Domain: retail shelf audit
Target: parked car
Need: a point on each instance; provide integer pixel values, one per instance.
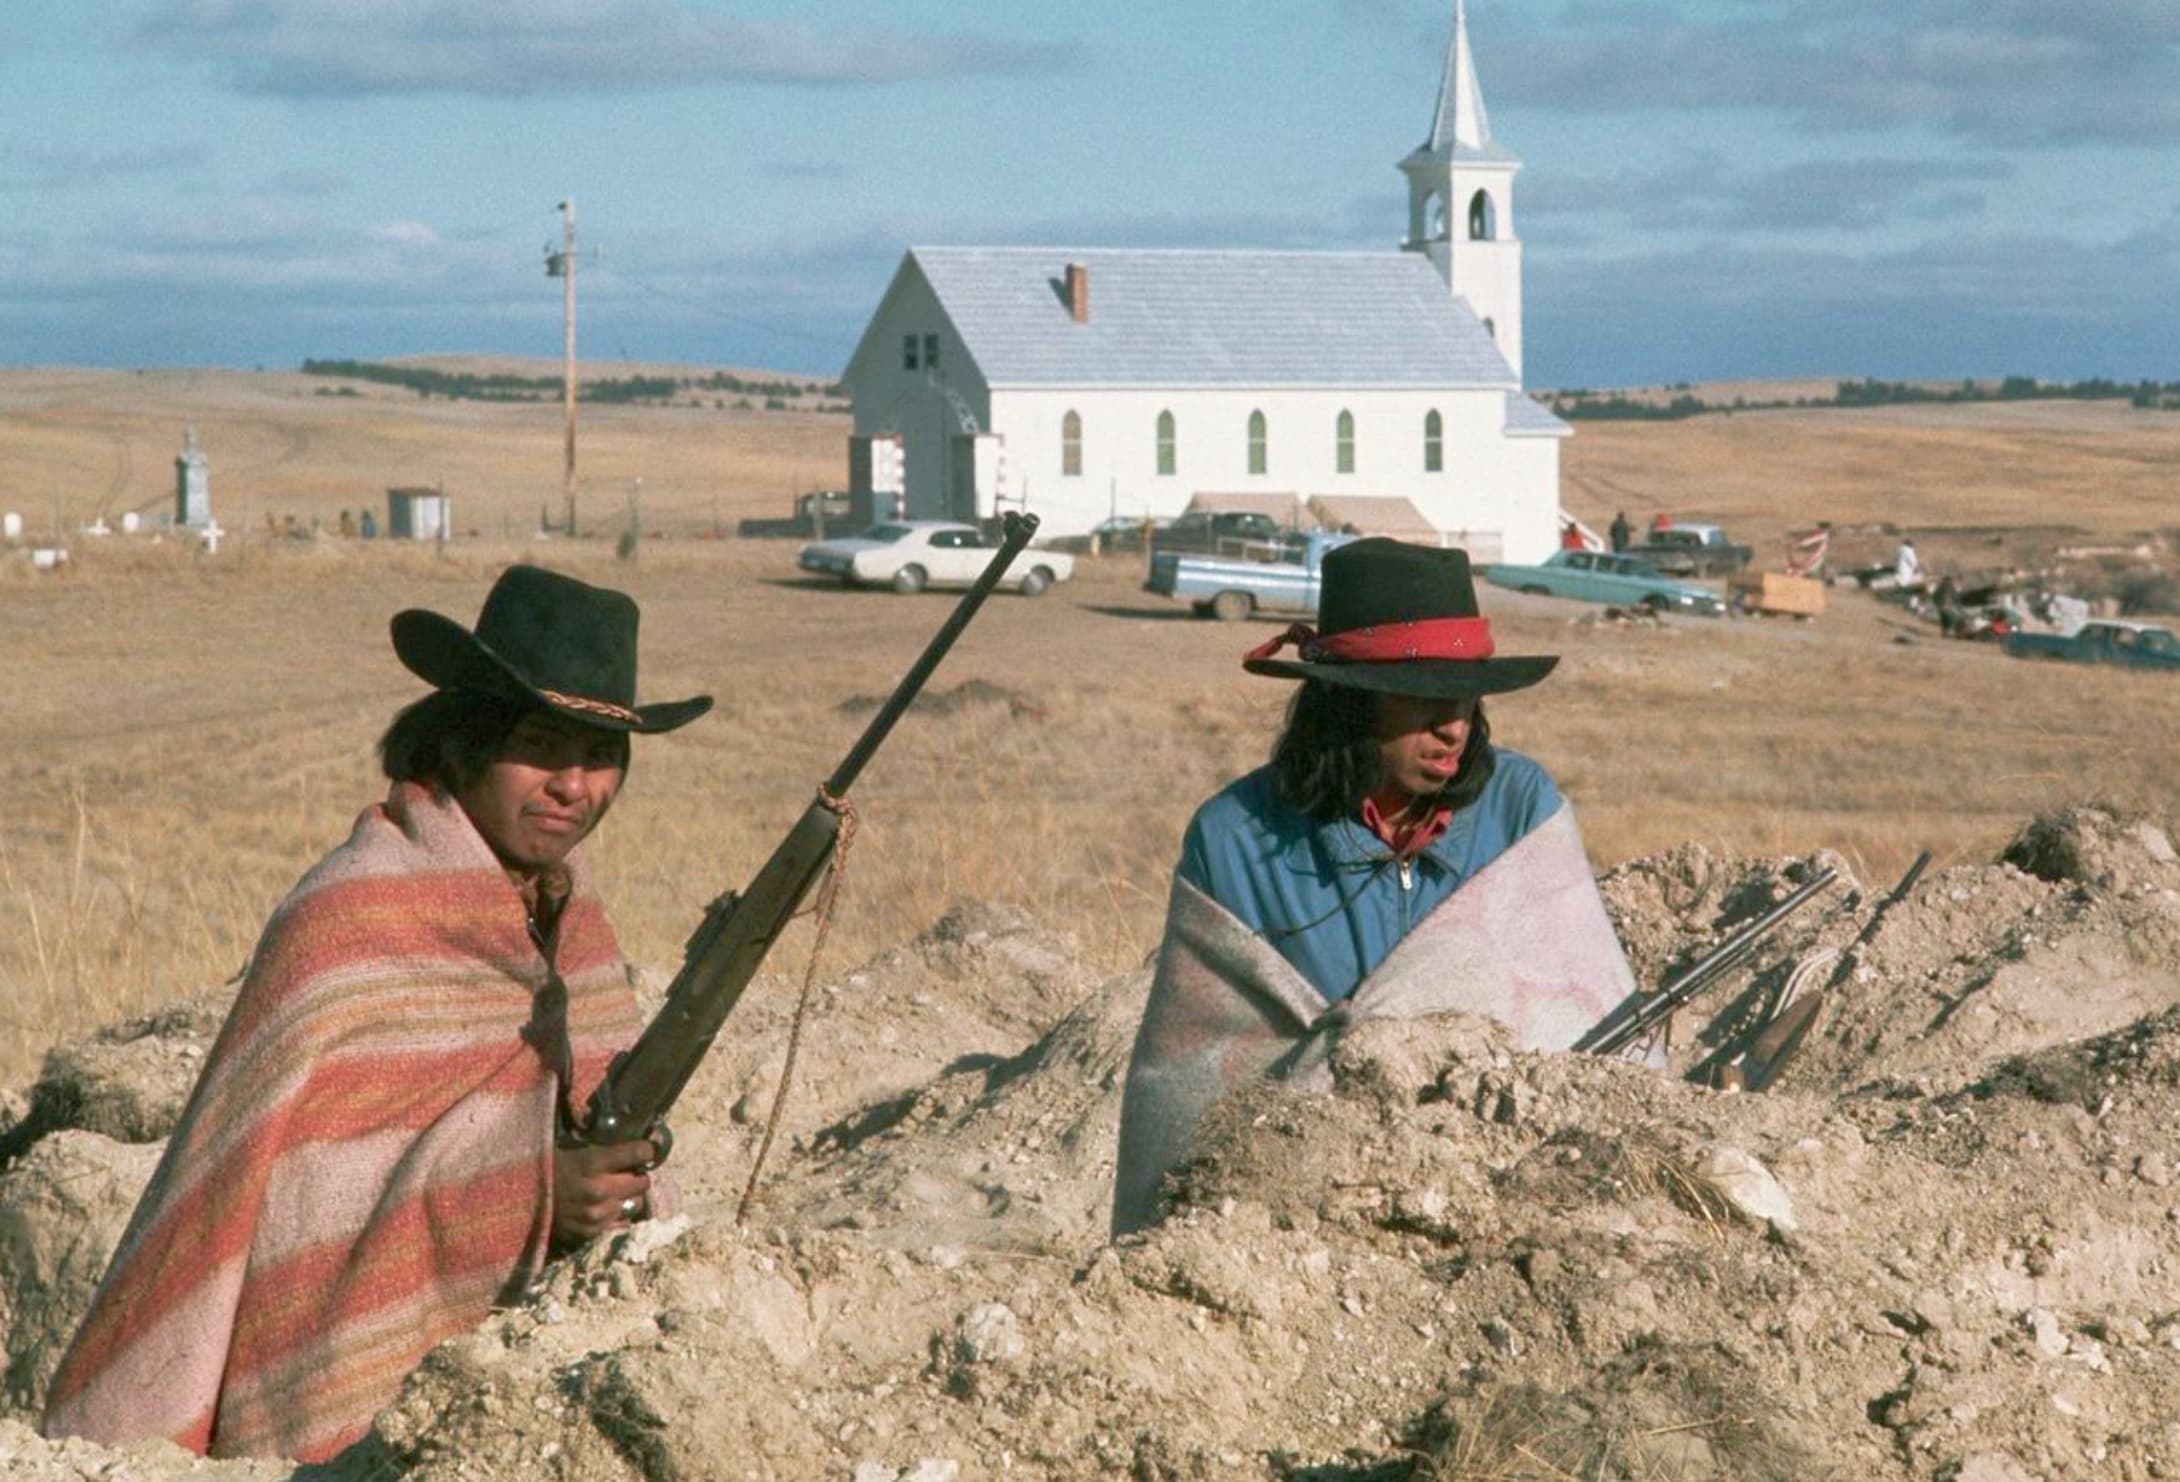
(834, 507)
(2103, 641)
(910, 555)
(1228, 532)
(1230, 589)
(1123, 532)
(1692, 550)
(1597, 577)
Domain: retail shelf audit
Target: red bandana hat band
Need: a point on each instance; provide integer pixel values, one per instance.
(1387, 643)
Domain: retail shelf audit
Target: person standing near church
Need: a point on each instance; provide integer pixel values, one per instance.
(371, 1159)
(1390, 861)
(1622, 532)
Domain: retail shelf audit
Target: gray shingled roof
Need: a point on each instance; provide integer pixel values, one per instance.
(1194, 318)
(1528, 417)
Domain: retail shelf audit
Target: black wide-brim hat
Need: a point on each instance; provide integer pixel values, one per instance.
(546, 639)
(1399, 619)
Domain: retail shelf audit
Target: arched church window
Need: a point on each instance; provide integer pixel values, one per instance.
(1483, 223)
(1258, 462)
(1343, 442)
(1434, 442)
(1071, 445)
(1166, 458)
(1434, 215)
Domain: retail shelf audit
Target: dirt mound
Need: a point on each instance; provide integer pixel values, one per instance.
(1946, 1245)
(969, 693)
(127, 1081)
(959, 1000)
(1017, 1154)
(63, 1206)
(2074, 931)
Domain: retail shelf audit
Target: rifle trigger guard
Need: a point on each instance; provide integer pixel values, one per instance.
(662, 1139)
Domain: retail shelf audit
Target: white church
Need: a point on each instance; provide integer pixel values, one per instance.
(1378, 389)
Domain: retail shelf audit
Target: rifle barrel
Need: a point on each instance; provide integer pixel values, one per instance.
(1016, 530)
(642, 1084)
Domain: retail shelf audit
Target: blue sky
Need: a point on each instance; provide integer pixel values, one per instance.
(1713, 188)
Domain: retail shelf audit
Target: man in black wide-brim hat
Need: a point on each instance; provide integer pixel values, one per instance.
(371, 1159)
(1390, 861)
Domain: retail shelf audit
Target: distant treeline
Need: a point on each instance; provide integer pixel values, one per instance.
(728, 381)
(2149, 394)
(462, 386)
(1582, 405)
(1616, 407)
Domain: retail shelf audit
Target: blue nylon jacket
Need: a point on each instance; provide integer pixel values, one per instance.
(1328, 895)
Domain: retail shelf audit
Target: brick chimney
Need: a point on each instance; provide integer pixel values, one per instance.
(1078, 292)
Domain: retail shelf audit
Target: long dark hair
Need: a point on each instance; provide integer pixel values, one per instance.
(448, 738)
(1326, 760)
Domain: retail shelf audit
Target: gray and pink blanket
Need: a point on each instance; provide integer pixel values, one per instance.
(1525, 941)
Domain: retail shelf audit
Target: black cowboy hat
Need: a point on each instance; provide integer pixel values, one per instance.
(1402, 620)
(547, 639)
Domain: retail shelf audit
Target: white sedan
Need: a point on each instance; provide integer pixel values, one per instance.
(909, 555)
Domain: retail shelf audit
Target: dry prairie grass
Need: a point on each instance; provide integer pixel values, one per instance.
(182, 736)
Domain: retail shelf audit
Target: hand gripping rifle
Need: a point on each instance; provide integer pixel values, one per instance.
(1638, 1016)
(729, 944)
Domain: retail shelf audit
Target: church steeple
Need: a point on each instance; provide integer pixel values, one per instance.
(1460, 125)
(1461, 199)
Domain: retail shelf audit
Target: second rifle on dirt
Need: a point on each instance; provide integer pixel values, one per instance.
(1636, 1018)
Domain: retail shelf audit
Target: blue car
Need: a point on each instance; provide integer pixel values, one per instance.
(1593, 576)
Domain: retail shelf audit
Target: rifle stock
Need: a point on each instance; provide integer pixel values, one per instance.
(730, 943)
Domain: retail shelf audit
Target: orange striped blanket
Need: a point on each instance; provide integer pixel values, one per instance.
(365, 1167)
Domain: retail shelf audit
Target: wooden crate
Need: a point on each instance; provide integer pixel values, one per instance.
(1775, 591)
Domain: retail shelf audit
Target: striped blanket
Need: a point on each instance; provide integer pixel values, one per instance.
(365, 1167)
(1525, 941)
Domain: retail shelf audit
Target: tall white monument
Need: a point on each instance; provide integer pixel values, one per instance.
(192, 485)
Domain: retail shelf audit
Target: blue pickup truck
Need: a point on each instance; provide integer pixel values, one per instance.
(1230, 589)
(2133, 645)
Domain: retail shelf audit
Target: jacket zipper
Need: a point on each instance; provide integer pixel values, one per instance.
(1407, 876)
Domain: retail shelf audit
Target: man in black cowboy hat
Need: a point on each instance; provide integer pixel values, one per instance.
(371, 1157)
(1389, 861)
(527, 730)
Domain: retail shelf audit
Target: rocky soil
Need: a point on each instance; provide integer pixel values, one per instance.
(1941, 1246)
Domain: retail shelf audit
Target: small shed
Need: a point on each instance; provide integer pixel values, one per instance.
(419, 514)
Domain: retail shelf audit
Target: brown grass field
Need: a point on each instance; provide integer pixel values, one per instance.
(184, 735)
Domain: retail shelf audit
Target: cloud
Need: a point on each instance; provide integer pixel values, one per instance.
(2011, 72)
(1709, 192)
(35, 165)
(517, 48)
(406, 234)
(1954, 305)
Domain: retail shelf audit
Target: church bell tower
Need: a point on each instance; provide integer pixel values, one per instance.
(1461, 200)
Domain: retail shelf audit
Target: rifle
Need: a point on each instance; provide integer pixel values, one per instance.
(1637, 1017)
(727, 947)
(1782, 1038)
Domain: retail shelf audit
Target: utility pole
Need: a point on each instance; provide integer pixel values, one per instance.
(561, 265)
